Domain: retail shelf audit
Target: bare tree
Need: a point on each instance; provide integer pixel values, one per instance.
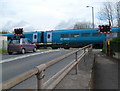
(4, 32)
(118, 13)
(82, 25)
(107, 12)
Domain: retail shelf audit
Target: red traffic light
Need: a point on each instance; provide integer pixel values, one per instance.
(18, 31)
(104, 28)
(101, 27)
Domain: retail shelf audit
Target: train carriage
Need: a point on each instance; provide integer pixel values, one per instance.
(66, 38)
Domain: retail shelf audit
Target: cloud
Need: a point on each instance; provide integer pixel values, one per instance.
(67, 24)
(10, 25)
(46, 14)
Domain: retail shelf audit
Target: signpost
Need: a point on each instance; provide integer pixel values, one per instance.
(107, 29)
(108, 47)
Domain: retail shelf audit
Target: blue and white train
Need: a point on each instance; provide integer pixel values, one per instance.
(66, 38)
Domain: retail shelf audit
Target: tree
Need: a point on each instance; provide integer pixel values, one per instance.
(82, 25)
(118, 13)
(4, 32)
(107, 12)
(110, 12)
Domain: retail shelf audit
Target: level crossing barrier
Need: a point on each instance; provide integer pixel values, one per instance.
(39, 71)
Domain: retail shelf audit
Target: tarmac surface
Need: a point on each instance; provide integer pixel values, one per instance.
(82, 79)
(106, 72)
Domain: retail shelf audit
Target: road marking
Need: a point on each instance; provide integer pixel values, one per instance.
(24, 56)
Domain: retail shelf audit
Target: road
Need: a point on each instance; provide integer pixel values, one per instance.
(22, 64)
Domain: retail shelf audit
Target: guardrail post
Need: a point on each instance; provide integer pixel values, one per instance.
(84, 55)
(77, 63)
(91, 48)
(40, 82)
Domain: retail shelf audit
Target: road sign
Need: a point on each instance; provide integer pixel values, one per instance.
(111, 35)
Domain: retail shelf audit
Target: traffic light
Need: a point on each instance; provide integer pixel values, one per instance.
(18, 31)
(101, 28)
(108, 28)
(104, 29)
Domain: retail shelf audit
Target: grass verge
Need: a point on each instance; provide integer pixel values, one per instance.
(3, 51)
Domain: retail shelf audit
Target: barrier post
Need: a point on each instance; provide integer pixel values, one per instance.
(77, 63)
(91, 48)
(40, 81)
(84, 56)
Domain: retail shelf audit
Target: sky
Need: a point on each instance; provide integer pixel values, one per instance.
(34, 15)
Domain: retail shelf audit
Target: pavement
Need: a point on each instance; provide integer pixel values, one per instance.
(105, 73)
(82, 79)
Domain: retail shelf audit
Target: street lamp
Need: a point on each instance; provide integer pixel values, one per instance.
(92, 15)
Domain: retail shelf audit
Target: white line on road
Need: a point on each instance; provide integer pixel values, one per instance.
(24, 56)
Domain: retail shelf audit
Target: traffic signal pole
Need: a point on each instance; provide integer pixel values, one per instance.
(108, 47)
(106, 29)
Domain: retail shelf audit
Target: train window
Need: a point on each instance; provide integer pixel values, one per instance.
(96, 34)
(35, 36)
(85, 34)
(74, 35)
(48, 35)
(64, 35)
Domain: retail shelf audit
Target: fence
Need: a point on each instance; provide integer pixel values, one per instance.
(115, 46)
(3, 42)
(39, 71)
(114, 49)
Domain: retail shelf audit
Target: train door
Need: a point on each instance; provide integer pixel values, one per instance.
(49, 37)
(35, 37)
(42, 37)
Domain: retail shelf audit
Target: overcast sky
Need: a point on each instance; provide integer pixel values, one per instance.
(46, 14)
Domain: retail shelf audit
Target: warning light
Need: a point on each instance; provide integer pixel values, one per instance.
(105, 29)
(18, 31)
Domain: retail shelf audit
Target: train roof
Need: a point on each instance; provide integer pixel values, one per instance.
(78, 30)
(114, 29)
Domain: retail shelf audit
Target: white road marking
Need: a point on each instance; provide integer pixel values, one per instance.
(24, 56)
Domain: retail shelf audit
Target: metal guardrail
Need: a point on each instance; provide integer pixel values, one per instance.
(39, 71)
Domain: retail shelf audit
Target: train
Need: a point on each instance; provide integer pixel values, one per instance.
(66, 39)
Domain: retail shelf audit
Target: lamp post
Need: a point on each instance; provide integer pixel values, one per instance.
(92, 15)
